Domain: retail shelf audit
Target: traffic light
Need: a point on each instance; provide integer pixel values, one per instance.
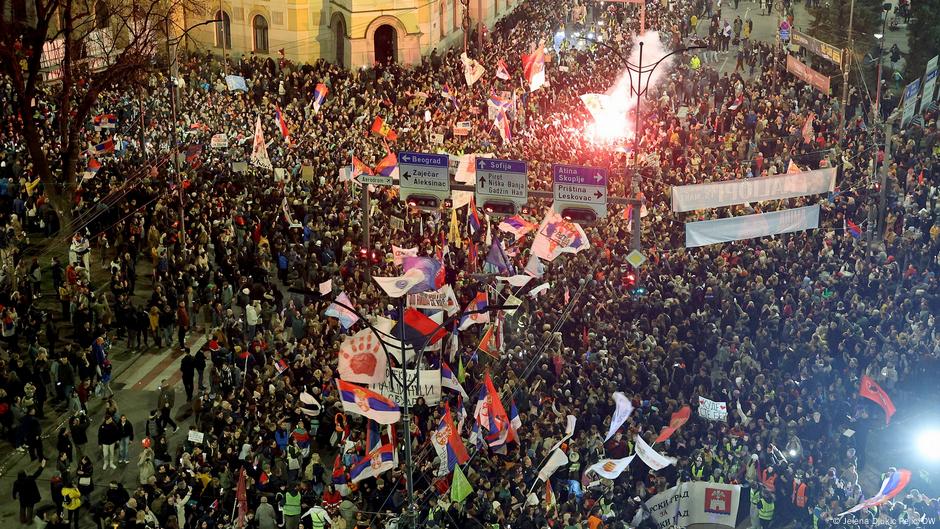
(499, 208)
(423, 202)
(629, 280)
(370, 255)
(579, 215)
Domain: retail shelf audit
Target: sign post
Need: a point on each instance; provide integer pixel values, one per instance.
(501, 182)
(579, 187)
(424, 175)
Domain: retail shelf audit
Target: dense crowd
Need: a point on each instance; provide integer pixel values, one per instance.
(780, 328)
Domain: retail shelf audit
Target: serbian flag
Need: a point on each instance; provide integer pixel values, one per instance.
(449, 95)
(502, 125)
(359, 167)
(419, 330)
(91, 170)
(379, 461)
(489, 342)
(517, 226)
(675, 422)
(104, 147)
(480, 302)
(473, 217)
(319, 96)
(807, 131)
(281, 123)
(737, 102)
(872, 391)
(502, 71)
(380, 127)
(339, 471)
(241, 495)
(365, 402)
(855, 231)
(490, 414)
(105, 121)
(387, 166)
(373, 436)
(890, 487)
(448, 444)
(533, 67)
(449, 380)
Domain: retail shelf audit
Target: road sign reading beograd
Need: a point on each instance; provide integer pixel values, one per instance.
(579, 186)
(424, 174)
(503, 180)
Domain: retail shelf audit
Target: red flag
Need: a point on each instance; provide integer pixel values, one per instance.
(872, 391)
(241, 495)
(808, 128)
(488, 342)
(920, 178)
(675, 422)
(382, 128)
(426, 327)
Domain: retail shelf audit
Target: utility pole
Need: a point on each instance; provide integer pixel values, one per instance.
(174, 135)
(409, 512)
(883, 195)
(846, 68)
(366, 227)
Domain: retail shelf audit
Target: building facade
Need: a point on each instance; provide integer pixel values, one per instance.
(350, 33)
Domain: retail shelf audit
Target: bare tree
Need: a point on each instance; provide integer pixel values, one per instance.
(69, 52)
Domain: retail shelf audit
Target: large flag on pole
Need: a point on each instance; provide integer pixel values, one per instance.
(556, 236)
(873, 392)
(533, 67)
(621, 414)
(448, 444)
(611, 468)
(259, 149)
(472, 70)
(362, 358)
(490, 414)
(555, 461)
(319, 96)
(459, 486)
(675, 422)
(241, 496)
(376, 463)
(650, 456)
(282, 123)
(890, 487)
(502, 70)
(365, 402)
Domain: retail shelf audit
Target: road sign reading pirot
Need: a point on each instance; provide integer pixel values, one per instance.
(578, 186)
(424, 174)
(505, 180)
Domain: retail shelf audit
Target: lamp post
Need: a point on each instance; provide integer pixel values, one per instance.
(638, 89)
(172, 70)
(876, 120)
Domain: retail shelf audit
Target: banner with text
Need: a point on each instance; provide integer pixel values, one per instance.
(693, 503)
(712, 410)
(807, 74)
(751, 226)
(424, 383)
(734, 192)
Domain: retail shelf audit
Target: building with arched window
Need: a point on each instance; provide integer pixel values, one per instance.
(350, 33)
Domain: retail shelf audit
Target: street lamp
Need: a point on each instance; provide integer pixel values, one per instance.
(639, 89)
(876, 119)
(171, 67)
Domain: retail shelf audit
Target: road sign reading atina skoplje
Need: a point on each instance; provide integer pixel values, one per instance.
(424, 174)
(579, 186)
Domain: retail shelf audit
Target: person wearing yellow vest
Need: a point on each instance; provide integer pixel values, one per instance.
(755, 499)
(292, 509)
(765, 509)
(799, 497)
(695, 63)
(697, 470)
(71, 500)
(319, 518)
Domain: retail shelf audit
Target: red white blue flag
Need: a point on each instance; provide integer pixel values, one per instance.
(365, 402)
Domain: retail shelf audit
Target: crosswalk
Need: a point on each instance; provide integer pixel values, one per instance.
(149, 369)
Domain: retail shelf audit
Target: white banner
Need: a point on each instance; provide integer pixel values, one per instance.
(733, 192)
(399, 254)
(621, 413)
(441, 299)
(693, 503)
(712, 411)
(219, 141)
(651, 457)
(751, 226)
(429, 388)
(610, 468)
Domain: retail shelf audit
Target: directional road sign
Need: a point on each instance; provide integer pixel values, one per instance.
(502, 180)
(376, 180)
(424, 174)
(577, 186)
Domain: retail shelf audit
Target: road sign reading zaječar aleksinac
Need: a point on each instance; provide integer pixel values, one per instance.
(502, 180)
(579, 186)
(424, 174)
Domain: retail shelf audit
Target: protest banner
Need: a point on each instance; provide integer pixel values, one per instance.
(712, 410)
(429, 388)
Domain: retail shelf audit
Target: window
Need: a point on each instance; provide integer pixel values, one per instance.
(102, 14)
(260, 26)
(442, 20)
(223, 31)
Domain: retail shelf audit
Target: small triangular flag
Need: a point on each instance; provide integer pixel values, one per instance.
(459, 487)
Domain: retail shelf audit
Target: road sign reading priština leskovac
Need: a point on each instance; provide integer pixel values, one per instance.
(501, 180)
(577, 186)
(424, 174)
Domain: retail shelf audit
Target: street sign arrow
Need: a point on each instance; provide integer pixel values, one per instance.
(376, 180)
(598, 194)
(406, 176)
(598, 177)
(482, 181)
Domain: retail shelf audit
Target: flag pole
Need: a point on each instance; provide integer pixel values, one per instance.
(406, 423)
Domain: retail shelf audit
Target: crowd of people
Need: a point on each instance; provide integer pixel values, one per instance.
(781, 328)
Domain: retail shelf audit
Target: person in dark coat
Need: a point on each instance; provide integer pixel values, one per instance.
(26, 490)
(78, 425)
(108, 435)
(188, 368)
